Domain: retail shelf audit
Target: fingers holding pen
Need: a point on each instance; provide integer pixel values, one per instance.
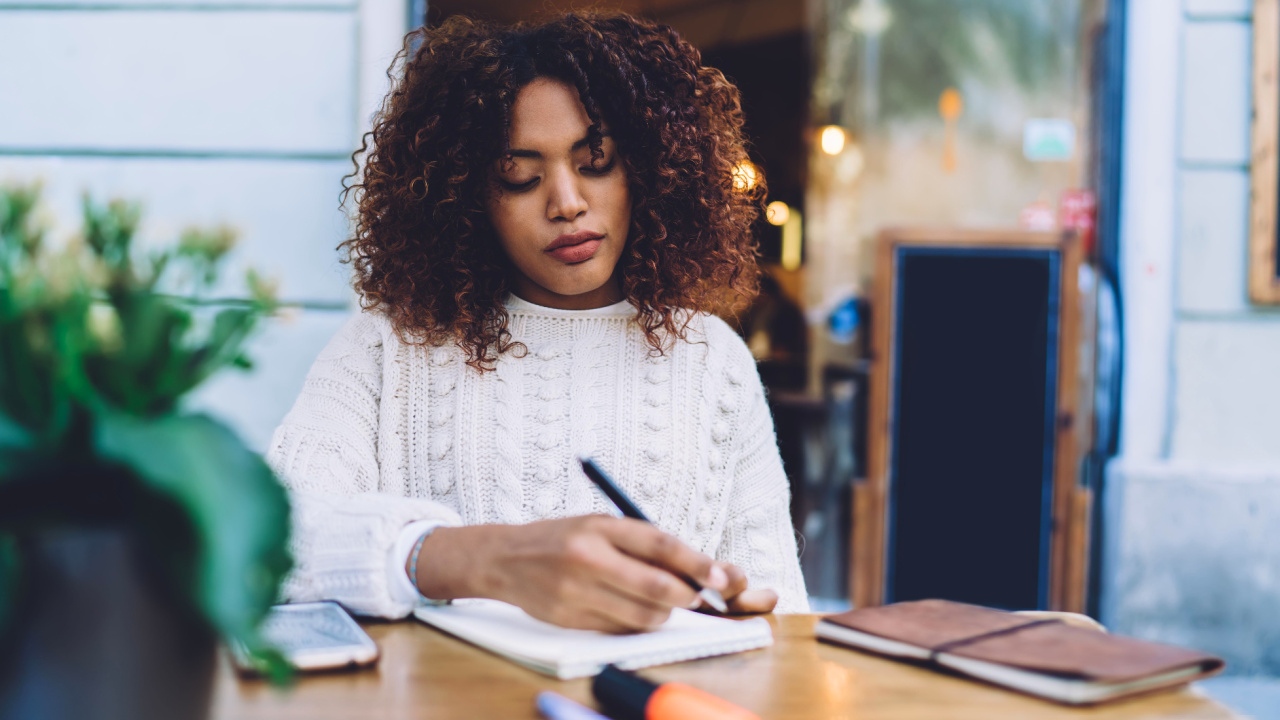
(742, 600)
(596, 572)
(641, 540)
(649, 544)
(737, 580)
(610, 564)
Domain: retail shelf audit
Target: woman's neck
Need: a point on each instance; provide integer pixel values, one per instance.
(603, 296)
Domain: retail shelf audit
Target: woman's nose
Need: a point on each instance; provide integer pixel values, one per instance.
(566, 201)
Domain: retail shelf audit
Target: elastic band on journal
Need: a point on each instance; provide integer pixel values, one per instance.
(949, 646)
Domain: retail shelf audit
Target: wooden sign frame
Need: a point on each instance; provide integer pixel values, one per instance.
(1072, 503)
(1264, 253)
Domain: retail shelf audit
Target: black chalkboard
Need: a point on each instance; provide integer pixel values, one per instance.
(973, 393)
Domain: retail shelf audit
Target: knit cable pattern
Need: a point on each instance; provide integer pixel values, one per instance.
(416, 434)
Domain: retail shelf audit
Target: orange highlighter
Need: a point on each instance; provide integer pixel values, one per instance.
(626, 696)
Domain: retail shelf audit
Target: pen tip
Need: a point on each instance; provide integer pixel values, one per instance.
(714, 599)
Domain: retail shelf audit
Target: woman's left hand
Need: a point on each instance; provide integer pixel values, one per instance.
(741, 600)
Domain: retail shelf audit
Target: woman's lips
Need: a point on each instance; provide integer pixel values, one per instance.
(577, 253)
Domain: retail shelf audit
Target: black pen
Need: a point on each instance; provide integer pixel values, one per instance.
(628, 508)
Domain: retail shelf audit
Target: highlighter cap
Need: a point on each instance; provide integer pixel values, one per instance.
(623, 695)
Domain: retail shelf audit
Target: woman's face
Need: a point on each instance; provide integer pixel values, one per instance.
(561, 219)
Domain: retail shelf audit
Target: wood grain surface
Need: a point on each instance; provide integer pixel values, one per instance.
(426, 674)
(1264, 171)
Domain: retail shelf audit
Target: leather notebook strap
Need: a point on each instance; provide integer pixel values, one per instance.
(953, 644)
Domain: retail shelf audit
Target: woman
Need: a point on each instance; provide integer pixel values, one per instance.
(547, 215)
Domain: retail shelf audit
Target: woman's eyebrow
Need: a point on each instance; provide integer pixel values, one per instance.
(534, 154)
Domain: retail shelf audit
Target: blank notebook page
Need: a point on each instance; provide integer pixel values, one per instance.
(509, 631)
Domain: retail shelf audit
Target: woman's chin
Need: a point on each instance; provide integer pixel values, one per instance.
(584, 291)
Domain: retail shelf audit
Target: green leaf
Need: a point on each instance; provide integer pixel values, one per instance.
(20, 236)
(238, 510)
(12, 435)
(231, 327)
(109, 232)
(15, 443)
(31, 395)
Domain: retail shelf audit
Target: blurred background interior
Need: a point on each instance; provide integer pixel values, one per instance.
(1086, 159)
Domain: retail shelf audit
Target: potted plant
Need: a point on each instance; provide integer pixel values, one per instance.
(133, 533)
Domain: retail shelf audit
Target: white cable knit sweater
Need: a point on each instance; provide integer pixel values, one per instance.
(386, 433)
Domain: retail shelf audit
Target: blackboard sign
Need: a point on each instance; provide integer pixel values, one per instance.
(972, 491)
(971, 474)
(1264, 233)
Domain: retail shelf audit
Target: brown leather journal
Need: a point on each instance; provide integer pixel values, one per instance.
(1043, 657)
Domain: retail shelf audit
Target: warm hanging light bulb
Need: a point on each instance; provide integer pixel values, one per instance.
(832, 139)
(777, 212)
(870, 17)
(745, 176)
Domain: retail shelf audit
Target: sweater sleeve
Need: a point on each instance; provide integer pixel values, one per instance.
(325, 453)
(758, 536)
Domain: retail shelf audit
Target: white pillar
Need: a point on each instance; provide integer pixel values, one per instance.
(1147, 223)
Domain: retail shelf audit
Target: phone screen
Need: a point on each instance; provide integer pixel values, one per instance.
(314, 636)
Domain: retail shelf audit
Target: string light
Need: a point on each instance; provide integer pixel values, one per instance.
(832, 139)
(777, 212)
(870, 17)
(745, 176)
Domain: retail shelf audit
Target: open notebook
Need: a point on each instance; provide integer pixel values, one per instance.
(510, 632)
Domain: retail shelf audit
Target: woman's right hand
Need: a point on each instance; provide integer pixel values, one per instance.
(593, 572)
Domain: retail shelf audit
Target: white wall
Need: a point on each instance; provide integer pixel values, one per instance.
(1226, 391)
(1194, 497)
(242, 112)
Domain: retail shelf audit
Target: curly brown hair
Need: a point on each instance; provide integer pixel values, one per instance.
(423, 249)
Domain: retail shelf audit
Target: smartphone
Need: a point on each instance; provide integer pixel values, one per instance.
(312, 636)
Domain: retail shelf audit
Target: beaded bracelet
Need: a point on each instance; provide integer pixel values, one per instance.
(413, 570)
(413, 562)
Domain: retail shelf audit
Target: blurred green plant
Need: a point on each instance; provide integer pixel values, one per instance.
(99, 344)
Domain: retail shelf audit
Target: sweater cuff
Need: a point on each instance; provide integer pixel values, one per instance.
(399, 585)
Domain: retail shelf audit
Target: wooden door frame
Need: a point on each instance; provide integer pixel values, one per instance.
(1264, 172)
(1069, 536)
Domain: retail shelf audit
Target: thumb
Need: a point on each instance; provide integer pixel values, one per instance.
(754, 601)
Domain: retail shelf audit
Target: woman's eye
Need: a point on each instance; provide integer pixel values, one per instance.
(600, 169)
(517, 187)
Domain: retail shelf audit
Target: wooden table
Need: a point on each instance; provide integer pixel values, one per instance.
(426, 674)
